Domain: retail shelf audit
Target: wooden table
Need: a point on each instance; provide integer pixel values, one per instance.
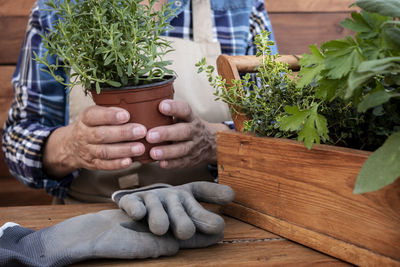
(243, 244)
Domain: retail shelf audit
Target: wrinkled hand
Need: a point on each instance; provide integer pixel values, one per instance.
(176, 207)
(194, 140)
(101, 139)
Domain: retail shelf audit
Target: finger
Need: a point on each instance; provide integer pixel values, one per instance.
(205, 221)
(173, 151)
(133, 206)
(176, 163)
(211, 192)
(116, 151)
(181, 225)
(114, 134)
(129, 242)
(200, 240)
(157, 217)
(97, 115)
(108, 165)
(174, 132)
(178, 109)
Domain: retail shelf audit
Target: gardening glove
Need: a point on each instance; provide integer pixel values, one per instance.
(106, 234)
(176, 207)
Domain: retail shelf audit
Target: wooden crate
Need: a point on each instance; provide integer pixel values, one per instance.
(307, 195)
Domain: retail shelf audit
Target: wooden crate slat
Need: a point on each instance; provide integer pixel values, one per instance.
(311, 189)
(318, 241)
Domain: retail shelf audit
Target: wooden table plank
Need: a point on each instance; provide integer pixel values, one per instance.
(243, 244)
(263, 253)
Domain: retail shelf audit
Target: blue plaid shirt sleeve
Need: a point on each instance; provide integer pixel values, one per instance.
(38, 109)
(259, 21)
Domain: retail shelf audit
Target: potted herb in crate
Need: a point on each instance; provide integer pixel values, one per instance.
(114, 49)
(347, 95)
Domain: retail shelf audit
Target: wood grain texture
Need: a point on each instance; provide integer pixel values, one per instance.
(311, 189)
(14, 193)
(289, 6)
(12, 32)
(15, 8)
(295, 32)
(243, 244)
(296, 24)
(6, 95)
(324, 243)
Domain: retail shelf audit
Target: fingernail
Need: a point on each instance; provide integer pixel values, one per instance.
(139, 131)
(157, 153)
(137, 150)
(165, 107)
(154, 136)
(125, 162)
(122, 116)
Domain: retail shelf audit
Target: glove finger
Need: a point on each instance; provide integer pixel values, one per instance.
(200, 240)
(205, 221)
(181, 225)
(157, 217)
(212, 192)
(133, 206)
(127, 243)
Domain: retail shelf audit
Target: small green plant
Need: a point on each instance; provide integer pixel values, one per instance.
(107, 42)
(348, 93)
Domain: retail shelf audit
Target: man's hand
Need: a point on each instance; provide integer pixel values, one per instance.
(100, 139)
(194, 140)
(176, 207)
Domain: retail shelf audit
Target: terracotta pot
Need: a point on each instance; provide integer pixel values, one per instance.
(142, 103)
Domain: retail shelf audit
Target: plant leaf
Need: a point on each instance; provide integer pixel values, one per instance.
(369, 69)
(384, 7)
(295, 120)
(311, 65)
(342, 56)
(381, 168)
(358, 24)
(315, 127)
(373, 100)
(114, 83)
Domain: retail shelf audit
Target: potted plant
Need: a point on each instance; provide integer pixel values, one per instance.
(115, 50)
(347, 94)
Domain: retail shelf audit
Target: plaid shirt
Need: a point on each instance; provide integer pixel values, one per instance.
(40, 103)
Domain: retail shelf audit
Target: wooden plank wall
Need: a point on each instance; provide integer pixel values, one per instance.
(13, 19)
(299, 23)
(296, 23)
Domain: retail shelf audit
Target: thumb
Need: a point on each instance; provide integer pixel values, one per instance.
(212, 192)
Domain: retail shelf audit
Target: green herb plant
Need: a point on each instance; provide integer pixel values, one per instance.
(347, 93)
(107, 42)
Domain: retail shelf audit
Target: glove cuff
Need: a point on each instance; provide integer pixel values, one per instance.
(117, 195)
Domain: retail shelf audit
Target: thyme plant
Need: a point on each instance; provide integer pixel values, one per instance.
(107, 42)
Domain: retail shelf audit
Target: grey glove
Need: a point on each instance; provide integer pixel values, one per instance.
(106, 234)
(176, 207)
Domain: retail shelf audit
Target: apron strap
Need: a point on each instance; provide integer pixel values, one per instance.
(202, 21)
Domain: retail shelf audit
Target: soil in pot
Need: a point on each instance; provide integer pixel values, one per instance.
(142, 103)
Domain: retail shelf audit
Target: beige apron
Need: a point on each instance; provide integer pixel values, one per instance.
(97, 186)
